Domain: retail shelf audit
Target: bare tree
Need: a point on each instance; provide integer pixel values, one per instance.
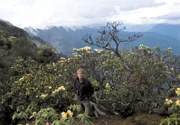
(109, 39)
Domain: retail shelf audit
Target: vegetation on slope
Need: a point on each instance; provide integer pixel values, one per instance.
(38, 86)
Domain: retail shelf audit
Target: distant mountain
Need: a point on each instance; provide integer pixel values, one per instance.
(138, 27)
(154, 39)
(167, 29)
(65, 39)
(62, 38)
(38, 41)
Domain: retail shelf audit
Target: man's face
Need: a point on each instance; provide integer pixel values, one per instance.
(80, 75)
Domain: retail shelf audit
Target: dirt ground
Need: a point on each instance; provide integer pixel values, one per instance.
(137, 119)
(108, 120)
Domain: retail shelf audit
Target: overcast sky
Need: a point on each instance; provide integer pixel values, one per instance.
(42, 13)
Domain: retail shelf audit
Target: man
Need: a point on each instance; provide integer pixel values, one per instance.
(84, 90)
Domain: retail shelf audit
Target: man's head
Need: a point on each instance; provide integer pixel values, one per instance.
(80, 73)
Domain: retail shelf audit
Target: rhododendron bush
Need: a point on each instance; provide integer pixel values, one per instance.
(117, 91)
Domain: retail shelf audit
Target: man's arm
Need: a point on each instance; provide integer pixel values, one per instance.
(74, 86)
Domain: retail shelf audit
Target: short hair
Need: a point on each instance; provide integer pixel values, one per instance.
(80, 70)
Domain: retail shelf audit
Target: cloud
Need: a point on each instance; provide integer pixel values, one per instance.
(136, 4)
(40, 13)
(171, 16)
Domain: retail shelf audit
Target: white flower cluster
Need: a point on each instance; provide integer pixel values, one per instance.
(177, 102)
(21, 79)
(61, 88)
(178, 91)
(76, 55)
(86, 48)
(98, 51)
(169, 48)
(62, 59)
(43, 95)
(78, 52)
(143, 47)
(108, 86)
(67, 114)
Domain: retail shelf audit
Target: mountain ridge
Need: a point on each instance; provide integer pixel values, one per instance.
(65, 40)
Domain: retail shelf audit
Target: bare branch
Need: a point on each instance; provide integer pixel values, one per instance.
(109, 36)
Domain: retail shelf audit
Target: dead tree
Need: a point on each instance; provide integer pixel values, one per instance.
(109, 38)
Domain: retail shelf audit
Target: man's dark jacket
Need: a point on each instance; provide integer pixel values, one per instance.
(83, 90)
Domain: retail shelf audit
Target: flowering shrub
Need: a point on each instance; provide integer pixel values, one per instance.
(141, 87)
(35, 86)
(174, 107)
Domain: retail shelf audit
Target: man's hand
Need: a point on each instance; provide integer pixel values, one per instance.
(86, 98)
(75, 97)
